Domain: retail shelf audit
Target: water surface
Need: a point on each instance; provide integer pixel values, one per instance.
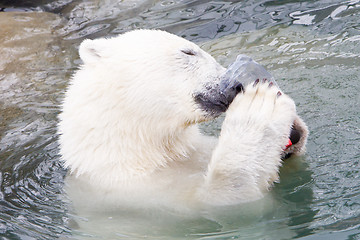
(311, 47)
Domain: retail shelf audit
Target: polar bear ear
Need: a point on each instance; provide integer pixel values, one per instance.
(91, 51)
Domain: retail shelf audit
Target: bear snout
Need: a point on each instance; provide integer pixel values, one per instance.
(212, 104)
(216, 100)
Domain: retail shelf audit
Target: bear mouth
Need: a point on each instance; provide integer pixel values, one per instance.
(210, 105)
(216, 100)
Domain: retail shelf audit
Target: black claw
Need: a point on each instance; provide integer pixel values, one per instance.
(278, 94)
(256, 82)
(264, 80)
(271, 84)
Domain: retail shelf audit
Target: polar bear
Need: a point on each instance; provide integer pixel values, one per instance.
(128, 126)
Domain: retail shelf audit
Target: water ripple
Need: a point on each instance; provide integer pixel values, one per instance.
(311, 47)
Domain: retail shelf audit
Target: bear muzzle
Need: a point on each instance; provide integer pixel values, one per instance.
(216, 97)
(215, 100)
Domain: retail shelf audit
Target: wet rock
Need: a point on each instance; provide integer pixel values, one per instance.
(34, 62)
(24, 39)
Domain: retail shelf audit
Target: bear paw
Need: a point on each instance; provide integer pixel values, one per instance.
(262, 108)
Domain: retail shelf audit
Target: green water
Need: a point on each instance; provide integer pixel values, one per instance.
(311, 47)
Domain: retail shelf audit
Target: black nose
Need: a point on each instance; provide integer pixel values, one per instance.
(239, 88)
(231, 91)
(294, 135)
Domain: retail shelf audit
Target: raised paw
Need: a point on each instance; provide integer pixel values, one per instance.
(262, 99)
(262, 107)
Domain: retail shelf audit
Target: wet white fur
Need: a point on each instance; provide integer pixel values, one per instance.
(128, 127)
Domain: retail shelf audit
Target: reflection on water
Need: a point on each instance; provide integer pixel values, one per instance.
(311, 47)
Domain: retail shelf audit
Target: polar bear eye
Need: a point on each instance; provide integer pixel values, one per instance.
(189, 52)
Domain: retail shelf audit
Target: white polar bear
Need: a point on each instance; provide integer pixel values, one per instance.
(128, 125)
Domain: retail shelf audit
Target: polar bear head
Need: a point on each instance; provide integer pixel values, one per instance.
(158, 72)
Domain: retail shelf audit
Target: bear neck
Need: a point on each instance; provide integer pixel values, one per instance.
(158, 146)
(140, 152)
